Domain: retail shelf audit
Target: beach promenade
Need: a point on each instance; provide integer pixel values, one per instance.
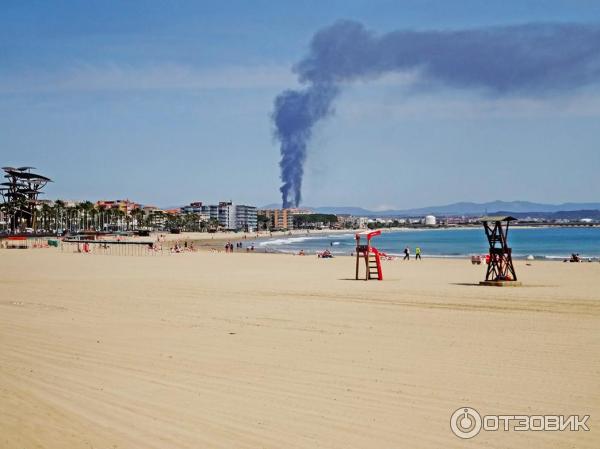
(215, 350)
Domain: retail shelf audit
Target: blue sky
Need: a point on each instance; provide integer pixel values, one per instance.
(170, 102)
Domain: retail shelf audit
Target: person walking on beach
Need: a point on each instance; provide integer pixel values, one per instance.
(406, 253)
(418, 253)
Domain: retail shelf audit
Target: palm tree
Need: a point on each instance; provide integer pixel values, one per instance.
(86, 208)
(45, 211)
(203, 225)
(109, 217)
(138, 216)
(119, 215)
(190, 222)
(128, 220)
(175, 222)
(74, 214)
(94, 213)
(59, 207)
(213, 224)
(263, 222)
(101, 208)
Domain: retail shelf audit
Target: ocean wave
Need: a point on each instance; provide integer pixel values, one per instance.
(286, 241)
(315, 238)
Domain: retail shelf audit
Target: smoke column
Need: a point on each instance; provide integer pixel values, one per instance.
(531, 60)
(297, 112)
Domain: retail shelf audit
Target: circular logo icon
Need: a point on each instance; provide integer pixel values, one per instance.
(465, 422)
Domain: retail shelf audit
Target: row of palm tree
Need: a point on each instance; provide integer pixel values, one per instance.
(86, 216)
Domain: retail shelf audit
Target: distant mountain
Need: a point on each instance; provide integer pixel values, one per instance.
(350, 210)
(462, 208)
(358, 211)
(560, 215)
(465, 208)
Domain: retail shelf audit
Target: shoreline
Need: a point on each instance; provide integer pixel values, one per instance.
(397, 256)
(204, 241)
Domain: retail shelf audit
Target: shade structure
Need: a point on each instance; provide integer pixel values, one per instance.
(20, 194)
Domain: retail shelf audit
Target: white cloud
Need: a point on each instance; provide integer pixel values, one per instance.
(449, 104)
(391, 96)
(88, 78)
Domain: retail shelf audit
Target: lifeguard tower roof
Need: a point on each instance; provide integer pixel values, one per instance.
(368, 234)
(497, 218)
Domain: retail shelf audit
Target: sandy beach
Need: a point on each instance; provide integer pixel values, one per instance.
(215, 350)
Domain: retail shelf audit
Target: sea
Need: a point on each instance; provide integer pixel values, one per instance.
(542, 243)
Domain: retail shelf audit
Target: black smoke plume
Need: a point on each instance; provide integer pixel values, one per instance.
(533, 59)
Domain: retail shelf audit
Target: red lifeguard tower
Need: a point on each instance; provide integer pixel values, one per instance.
(370, 254)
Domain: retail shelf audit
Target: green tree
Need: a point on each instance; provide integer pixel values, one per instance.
(263, 222)
(86, 208)
(138, 217)
(119, 216)
(213, 224)
(311, 220)
(45, 213)
(59, 208)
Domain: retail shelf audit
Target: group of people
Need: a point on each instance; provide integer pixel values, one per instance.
(178, 248)
(325, 254)
(407, 253)
(238, 245)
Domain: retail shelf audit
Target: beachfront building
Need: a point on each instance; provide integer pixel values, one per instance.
(204, 212)
(245, 218)
(278, 218)
(237, 217)
(150, 210)
(283, 218)
(352, 222)
(192, 208)
(229, 216)
(153, 217)
(125, 206)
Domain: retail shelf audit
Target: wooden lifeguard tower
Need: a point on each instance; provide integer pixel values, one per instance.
(500, 270)
(370, 254)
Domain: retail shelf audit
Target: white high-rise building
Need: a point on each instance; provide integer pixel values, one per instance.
(245, 218)
(237, 217)
(430, 220)
(227, 215)
(233, 217)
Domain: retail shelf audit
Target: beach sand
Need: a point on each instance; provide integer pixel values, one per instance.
(217, 240)
(243, 350)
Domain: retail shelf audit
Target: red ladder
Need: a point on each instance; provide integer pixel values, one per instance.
(375, 268)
